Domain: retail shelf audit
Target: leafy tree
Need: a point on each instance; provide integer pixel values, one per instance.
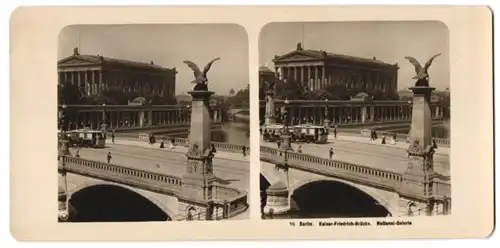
(242, 97)
(68, 94)
(290, 89)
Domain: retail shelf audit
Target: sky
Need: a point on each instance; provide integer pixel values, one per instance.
(389, 42)
(168, 46)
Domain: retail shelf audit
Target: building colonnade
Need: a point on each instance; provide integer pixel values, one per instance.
(116, 118)
(349, 113)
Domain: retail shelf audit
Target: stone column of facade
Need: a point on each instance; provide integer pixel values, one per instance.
(309, 77)
(316, 78)
(197, 181)
(363, 114)
(416, 188)
(323, 78)
(301, 74)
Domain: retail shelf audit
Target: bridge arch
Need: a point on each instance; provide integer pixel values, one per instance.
(364, 193)
(154, 201)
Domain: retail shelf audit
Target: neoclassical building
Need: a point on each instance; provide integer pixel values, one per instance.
(317, 69)
(93, 74)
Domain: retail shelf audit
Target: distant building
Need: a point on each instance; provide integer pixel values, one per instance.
(93, 74)
(317, 69)
(265, 76)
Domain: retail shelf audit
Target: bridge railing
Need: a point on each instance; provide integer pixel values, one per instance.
(218, 145)
(112, 172)
(439, 141)
(358, 173)
(233, 200)
(441, 188)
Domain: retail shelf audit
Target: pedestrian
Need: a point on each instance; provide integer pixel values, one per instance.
(212, 148)
(244, 148)
(299, 149)
(109, 157)
(434, 145)
(162, 145)
(172, 140)
(113, 136)
(330, 152)
(335, 132)
(278, 143)
(383, 140)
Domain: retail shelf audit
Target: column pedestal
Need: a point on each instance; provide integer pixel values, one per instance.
(416, 188)
(277, 203)
(270, 117)
(195, 196)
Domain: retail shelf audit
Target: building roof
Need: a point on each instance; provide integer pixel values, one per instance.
(301, 53)
(265, 69)
(78, 58)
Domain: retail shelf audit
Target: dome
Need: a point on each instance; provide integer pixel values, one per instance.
(361, 95)
(264, 69)
(138, 101)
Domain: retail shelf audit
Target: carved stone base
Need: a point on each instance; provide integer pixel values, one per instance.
(190, 211)
(277, 199)
(286, 144)
(412, 207)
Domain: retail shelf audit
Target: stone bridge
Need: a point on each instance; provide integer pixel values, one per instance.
(290, 172)
(160, 191)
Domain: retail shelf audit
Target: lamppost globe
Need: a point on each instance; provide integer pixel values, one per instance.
(64, 106)
(286, 101)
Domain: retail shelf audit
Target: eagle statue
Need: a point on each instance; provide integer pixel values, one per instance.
(422, 73)
(201, 79)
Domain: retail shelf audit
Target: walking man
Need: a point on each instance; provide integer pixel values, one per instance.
(109, 157)
(244, 151)
(335, 132)
(331, 152)
(113, 136)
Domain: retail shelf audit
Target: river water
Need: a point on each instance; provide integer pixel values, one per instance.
(237, 133)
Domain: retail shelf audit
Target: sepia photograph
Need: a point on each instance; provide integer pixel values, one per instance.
(153, 123)
(354, 119)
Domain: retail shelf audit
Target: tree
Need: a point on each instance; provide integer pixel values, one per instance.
(241, 98)
(336, 91)
(291, 89)
(68, 94)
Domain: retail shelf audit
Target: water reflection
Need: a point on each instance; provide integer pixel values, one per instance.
(439, 131)
(230, 132)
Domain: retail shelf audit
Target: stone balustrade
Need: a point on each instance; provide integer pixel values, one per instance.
(378, 178)
(140, 178)
(358, 173)
(439, 141)
(232, 200)
(218, 145)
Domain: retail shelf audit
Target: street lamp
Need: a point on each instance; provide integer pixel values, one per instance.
(104, 125)
(326, 121)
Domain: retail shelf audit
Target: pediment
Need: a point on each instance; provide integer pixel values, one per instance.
(75, 61)
(296, 56)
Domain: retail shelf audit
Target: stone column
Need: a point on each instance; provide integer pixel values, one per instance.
(418, 177)
(301, 75)
(150, 117)
(316, 77)
(197, 182)
(323, 78)
(363, 114)
(309, 77)
(372, 113)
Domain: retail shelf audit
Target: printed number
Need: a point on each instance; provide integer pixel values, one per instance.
(292, 223)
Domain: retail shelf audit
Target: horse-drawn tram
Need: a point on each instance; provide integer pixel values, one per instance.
(88, 138)
(300, 133)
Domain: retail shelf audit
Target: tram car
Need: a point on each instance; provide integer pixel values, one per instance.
(88, 138)
(310, 134)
